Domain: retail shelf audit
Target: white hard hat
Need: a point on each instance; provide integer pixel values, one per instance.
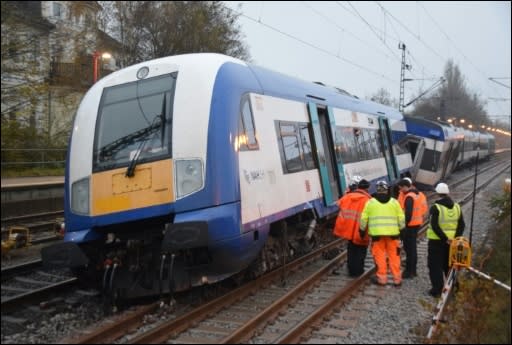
(382, 186)
(356, 179)
(442, 188)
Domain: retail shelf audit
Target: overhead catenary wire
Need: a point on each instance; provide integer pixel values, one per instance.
(456, 47)
(353, 63)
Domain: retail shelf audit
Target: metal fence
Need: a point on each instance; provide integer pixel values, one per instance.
(33, 158)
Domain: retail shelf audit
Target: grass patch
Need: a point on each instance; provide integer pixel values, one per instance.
(480, 312)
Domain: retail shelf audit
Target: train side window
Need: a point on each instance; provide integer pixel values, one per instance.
(358, 145)
(291, 149)
(247, 129)
(288, 137)
(430, 160)
(305, 140)
(345, 144)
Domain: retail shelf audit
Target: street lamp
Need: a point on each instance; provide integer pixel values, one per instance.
(95, 57)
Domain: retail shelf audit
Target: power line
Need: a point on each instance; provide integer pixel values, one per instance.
(410, 32)
(371, 28)
(343, 30)
(313, 46)
(456, 47)
(497, 82)
(356, 14)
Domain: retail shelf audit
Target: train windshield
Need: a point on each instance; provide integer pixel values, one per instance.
(134, 123)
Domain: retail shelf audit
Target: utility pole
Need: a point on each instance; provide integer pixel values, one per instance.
(402, 75)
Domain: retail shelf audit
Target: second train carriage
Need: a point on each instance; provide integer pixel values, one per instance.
(475, 143)
(435, 148)
(182, 170)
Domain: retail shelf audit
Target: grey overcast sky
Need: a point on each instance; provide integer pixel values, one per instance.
(354, 45)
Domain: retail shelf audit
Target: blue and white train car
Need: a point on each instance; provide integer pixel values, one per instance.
(486, 145)
(469, 147)
(184, 170)
(476, 143)
(440, 147)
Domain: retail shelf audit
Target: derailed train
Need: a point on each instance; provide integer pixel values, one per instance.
(437, 149)
(186, 170)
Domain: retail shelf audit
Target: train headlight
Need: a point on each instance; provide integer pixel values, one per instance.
(80, 196)
(189, 176)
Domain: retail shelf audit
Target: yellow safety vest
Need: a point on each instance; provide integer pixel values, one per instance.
(448, 220)
(383, 219)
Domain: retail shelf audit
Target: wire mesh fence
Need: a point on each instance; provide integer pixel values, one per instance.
(34, 158)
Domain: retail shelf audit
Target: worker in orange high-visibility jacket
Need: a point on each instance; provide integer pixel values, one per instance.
(384, 218)
(347, 226)
(422, 196)
(415, 207)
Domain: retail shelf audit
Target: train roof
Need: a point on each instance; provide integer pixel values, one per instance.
(272, 83)
(278, 84)
(429, 129)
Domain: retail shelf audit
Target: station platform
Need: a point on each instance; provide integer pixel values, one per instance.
(14, 182)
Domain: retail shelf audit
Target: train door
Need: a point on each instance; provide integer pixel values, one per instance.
(417, 156)
(454, 157)
(387, 147)
(331, 172)
(446, 161)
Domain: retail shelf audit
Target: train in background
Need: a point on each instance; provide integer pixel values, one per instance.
(186, 170)
(437, 149)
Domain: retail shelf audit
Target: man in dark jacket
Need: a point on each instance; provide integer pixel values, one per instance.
(415, 208)
(446, 223)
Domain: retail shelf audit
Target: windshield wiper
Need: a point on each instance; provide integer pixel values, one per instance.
(117, 144)
(130, 171)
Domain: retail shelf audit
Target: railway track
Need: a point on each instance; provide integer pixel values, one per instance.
(130, 330)
(30, 283)
(265, 310)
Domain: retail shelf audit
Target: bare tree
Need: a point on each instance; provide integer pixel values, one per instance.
(383, 96)
(452, 99)
(152, 29)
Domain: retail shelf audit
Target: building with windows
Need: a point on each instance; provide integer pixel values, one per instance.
(48, 52)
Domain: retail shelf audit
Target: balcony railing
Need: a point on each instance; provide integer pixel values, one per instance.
(73, 74)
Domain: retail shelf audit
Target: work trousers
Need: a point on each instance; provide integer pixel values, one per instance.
(356, 254)
(387, 247)
(408, 236)
(438, 252)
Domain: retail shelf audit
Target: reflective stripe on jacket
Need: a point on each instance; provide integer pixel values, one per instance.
(448, 220)
(383, 219)
(423, 205)
(347, 224)
(418, 209)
